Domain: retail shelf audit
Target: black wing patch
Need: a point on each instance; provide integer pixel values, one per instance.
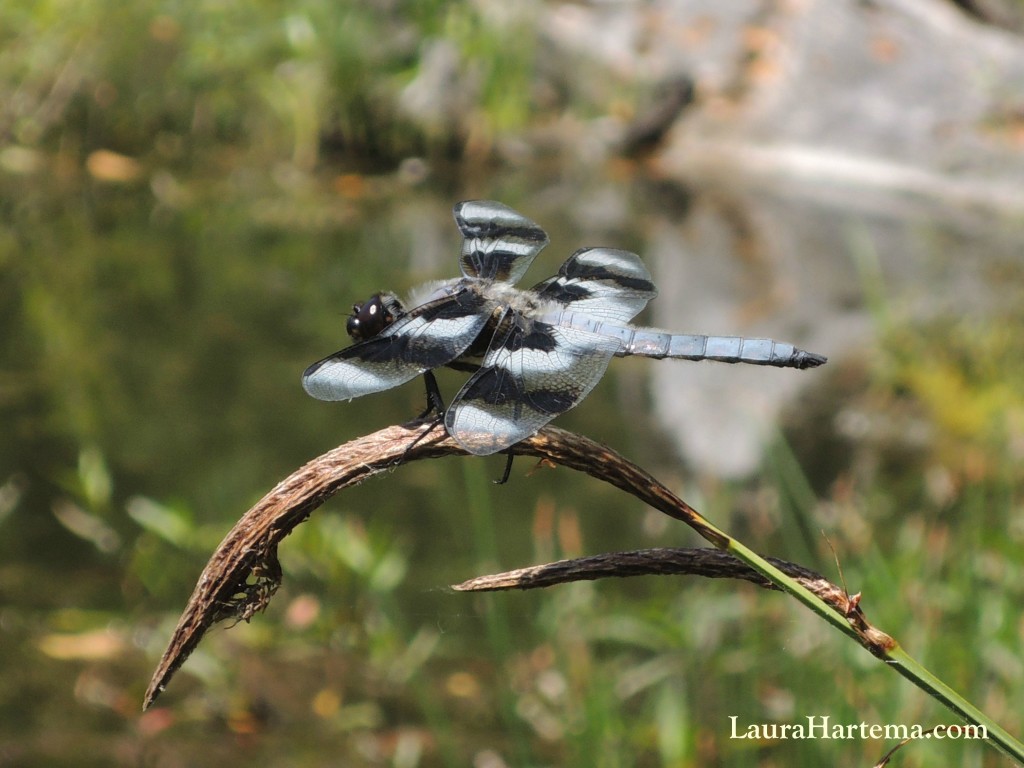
(604, 283)
(533, 372)
(499, 243)
(429, 336)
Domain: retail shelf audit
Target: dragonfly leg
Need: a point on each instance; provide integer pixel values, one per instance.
(508, 469)
(435, 403)
(427, 428)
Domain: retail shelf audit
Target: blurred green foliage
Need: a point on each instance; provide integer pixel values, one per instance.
(170, 79)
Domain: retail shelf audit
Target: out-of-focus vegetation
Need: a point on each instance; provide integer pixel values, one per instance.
(166, 82)
(189, 192)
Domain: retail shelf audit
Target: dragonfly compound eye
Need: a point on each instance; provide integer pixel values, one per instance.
(368, 319)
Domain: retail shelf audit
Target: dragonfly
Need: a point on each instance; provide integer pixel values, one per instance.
(532, 354)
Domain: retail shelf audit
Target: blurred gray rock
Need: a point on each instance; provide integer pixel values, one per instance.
(834, 147)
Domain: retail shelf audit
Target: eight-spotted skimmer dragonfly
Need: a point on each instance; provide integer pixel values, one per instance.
(533, 354)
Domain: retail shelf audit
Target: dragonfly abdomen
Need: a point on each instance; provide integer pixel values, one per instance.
(725, 349)
(648, 342)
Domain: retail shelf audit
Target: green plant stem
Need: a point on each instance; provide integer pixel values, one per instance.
(893, 655)
(605, 464)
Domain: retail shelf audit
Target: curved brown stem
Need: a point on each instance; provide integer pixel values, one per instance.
(243, 573)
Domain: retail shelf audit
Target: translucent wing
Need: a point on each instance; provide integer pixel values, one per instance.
(499, 243)
(429, 336)
(605, 283)
(533, 372)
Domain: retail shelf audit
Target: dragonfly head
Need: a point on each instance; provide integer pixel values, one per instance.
(373, 316)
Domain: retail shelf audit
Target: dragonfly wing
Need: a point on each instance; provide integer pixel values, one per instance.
(604, 283)
(533, 372)
(429, 336)
(499, 243)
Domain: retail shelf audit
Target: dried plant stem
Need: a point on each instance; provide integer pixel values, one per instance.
(243, 573)
(662, 561)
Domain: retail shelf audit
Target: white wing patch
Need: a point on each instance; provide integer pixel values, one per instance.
(430, 336)
(499, 243)
(604, 283)
(533, 373)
